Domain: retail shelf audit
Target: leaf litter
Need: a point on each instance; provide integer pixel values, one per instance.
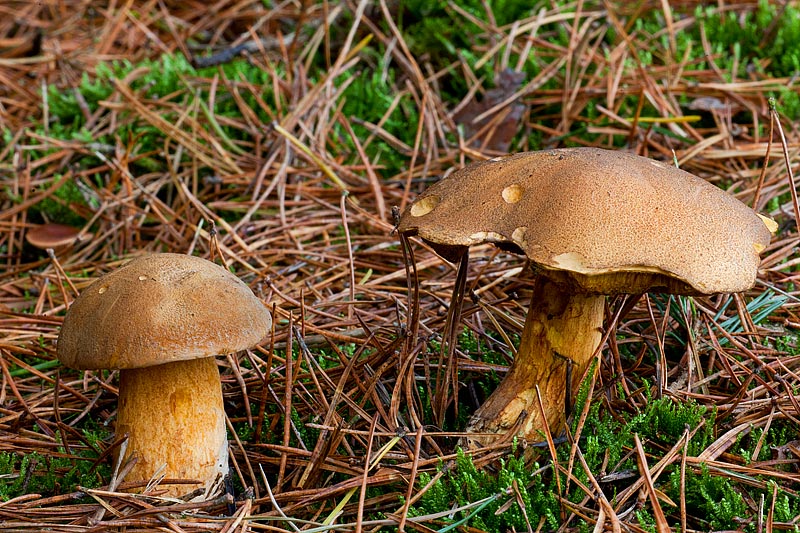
(280, 179)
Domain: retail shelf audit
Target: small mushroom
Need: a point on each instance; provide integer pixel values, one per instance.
(55, 236)
(593, 223)
(160, 319)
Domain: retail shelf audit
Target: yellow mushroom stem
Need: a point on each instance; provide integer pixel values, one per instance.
(562, 329)
(175, 419)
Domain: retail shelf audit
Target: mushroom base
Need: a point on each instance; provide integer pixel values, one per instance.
(562, 330)
(175, 421)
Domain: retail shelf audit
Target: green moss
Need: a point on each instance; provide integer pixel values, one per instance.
(35, 473)
(759, 37)
(463, 485)
(714, 500)
(59, 207)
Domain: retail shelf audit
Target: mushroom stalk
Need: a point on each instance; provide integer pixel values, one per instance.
(562, 329)
(174, 418)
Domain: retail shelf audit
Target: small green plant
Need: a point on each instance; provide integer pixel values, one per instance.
(714, 498)
(59, 207)
(370, 96)
(34, 473)
(463, 485)
(744, 35)
(666, 421)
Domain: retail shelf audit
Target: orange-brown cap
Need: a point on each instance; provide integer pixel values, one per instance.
(158, 309)
(604, 221)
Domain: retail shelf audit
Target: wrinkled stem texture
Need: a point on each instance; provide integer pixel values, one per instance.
(561, 329)
(174, 416)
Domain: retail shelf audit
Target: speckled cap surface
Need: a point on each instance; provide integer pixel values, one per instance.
(159, 309)
(606, 221)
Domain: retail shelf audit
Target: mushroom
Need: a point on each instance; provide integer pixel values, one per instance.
(160, 319)
(55, 236)
(593, 223)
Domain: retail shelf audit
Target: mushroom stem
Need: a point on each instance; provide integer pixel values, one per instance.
(174, 416)
(562, 329)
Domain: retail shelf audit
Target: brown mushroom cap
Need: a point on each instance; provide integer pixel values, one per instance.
(606, 221)
(159, 309)
(52, 235)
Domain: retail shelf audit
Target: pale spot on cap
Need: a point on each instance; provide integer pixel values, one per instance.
(771, 225)
(572, 261)
(142, 278)
(513, 193)
(518, 236)
(101, 290)
(487, 236)
(425, 205)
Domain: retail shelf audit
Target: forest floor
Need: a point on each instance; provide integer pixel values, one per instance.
(280, 139)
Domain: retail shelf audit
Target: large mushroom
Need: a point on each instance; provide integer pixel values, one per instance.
(161, 319)
(593, 223)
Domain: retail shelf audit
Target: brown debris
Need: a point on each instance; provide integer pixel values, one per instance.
(494, 132)
(360, 313)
